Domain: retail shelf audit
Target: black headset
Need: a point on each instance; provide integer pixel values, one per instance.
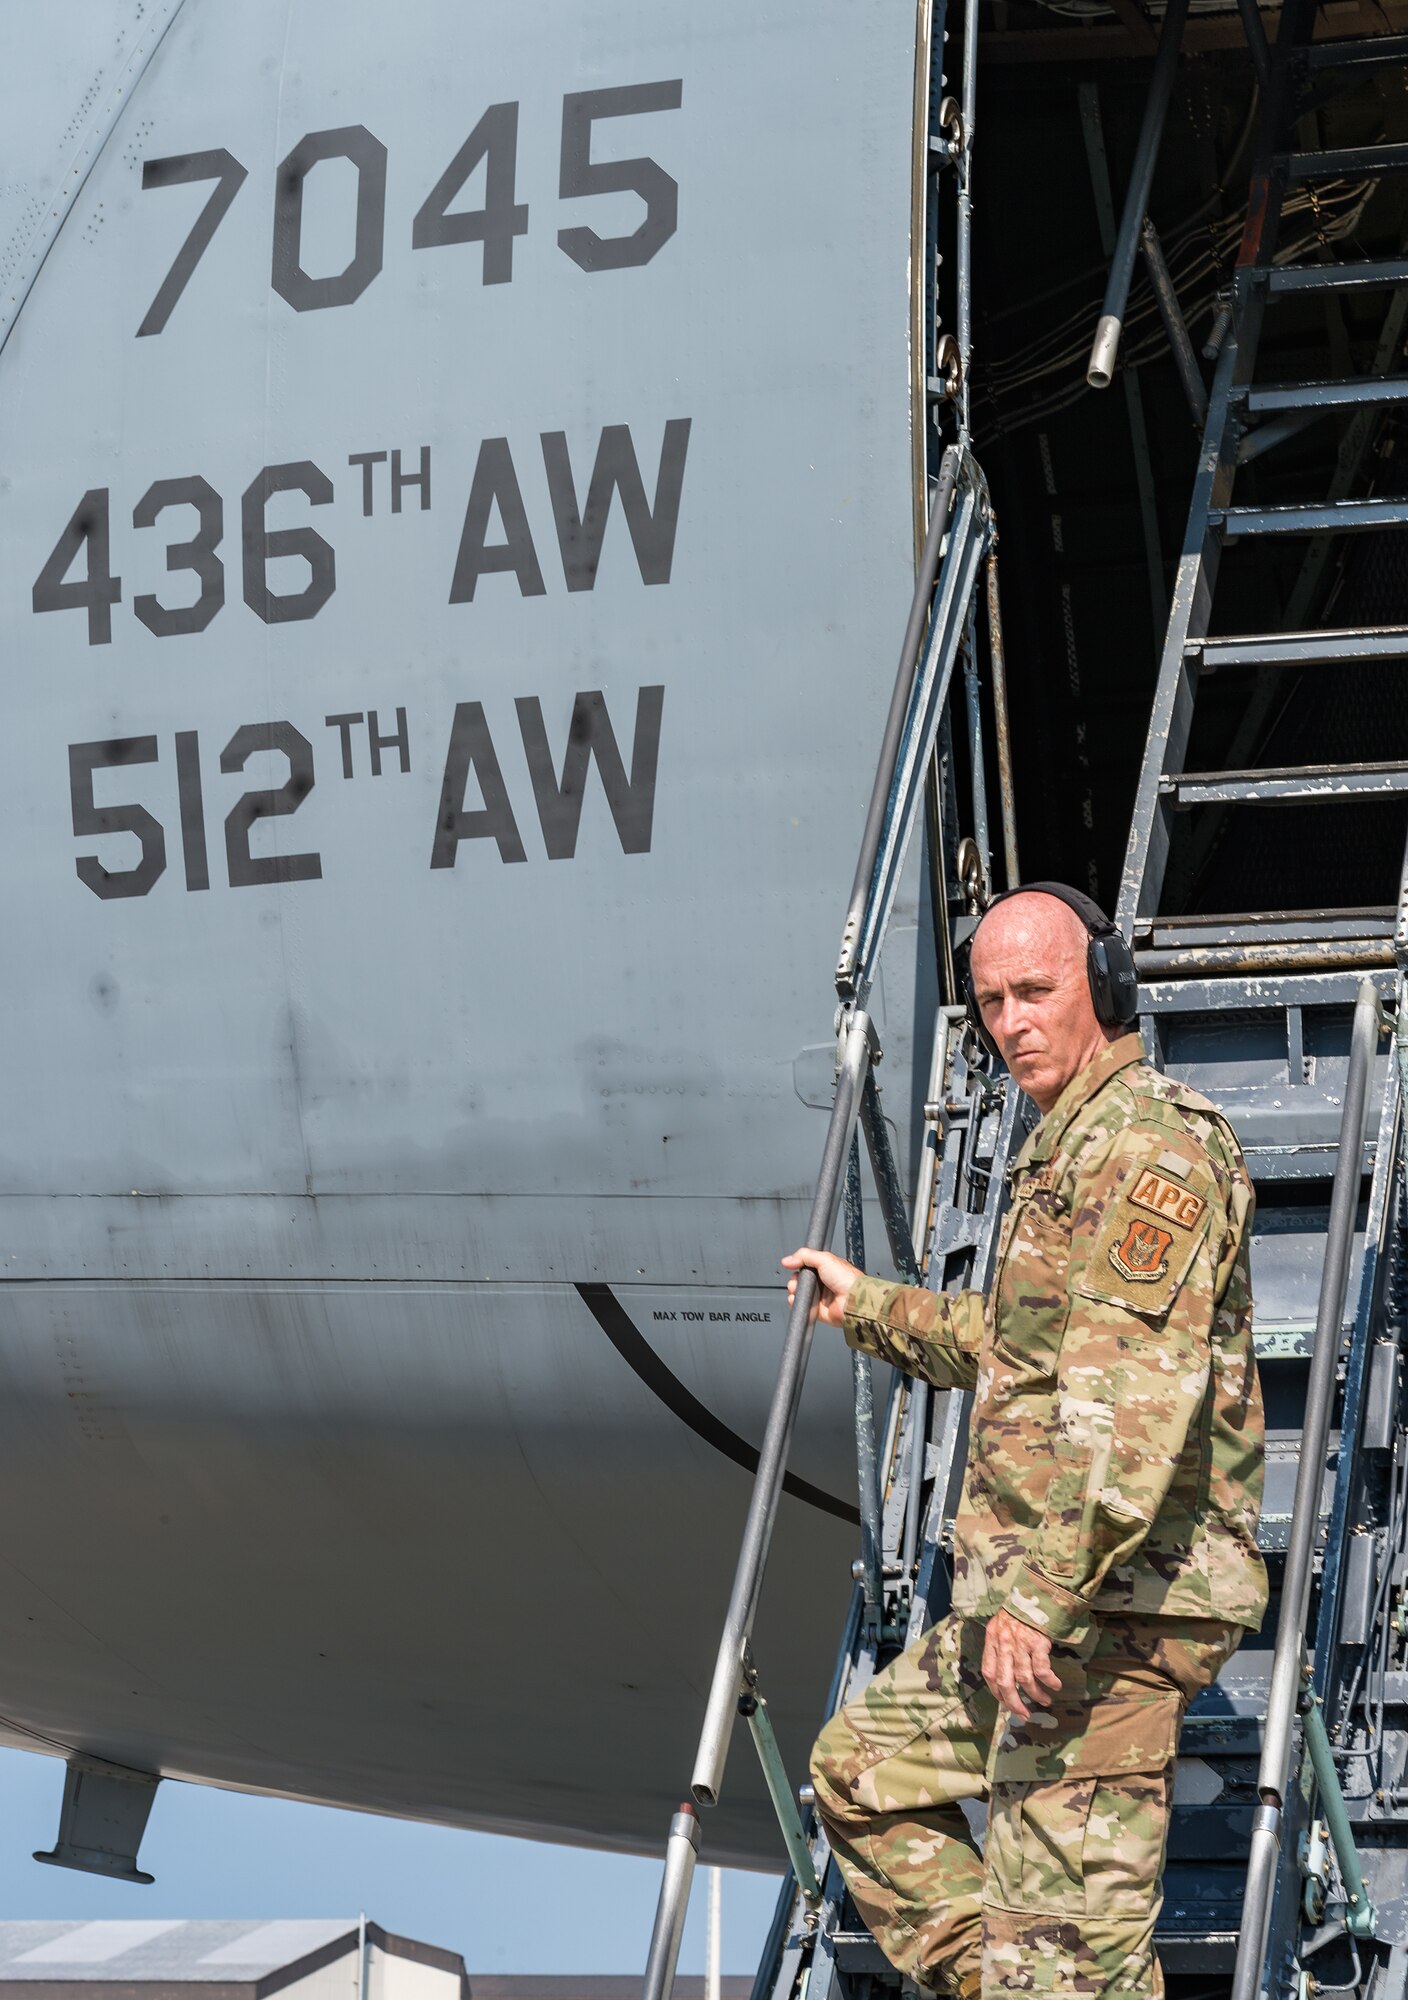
(1109, 962)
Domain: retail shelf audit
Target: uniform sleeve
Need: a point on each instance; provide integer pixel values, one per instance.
(1148, 1234)
(935, 1335)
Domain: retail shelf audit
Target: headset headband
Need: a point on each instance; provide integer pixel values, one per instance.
(1085, 907)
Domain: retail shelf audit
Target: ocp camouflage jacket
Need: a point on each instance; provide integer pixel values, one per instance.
(1116, 1444)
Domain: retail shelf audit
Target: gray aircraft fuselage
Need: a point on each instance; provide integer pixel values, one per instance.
(455, 529)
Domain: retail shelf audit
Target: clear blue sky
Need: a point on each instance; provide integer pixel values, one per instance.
(507, 1905)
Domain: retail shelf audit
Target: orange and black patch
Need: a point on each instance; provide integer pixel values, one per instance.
(1166, 1199)
(1141, 1255)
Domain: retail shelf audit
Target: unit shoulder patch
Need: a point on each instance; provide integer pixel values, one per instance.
(1167, 1198)
(1141, 1254)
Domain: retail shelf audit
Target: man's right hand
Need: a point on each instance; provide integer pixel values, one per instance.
(836, 1277)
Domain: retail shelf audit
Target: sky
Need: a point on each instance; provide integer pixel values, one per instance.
(506, 1905)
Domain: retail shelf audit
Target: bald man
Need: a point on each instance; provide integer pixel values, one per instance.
(1105, 1561)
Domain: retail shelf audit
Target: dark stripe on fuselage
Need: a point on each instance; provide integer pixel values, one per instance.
(635, 1350)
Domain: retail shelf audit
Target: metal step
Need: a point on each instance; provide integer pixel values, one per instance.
(1281, 956)
(1360, 276)
(1333, 518)
(1202, 1915)
(1254, 926)
(1297, 649)
(1223, 1735)
(1276, 784)
(857, 1951)
(1362, 52)
(1326, 395)
(1259, 927)
(1348, 163)
(1195, 1832)
(1293, 1340)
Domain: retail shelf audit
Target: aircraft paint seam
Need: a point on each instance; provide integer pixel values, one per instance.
(635, 1350)
(89, 151)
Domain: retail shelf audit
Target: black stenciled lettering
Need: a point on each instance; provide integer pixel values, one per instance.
(346, 724)
(472, 749)
(494, 140)
(262, 545)
(289, 279)
(590, 736)
(87, 533)
(579, 175)
(198, 554)
(495, 485)
(399, 741)
(579, 534)
(401, 480)
(191, 797)
(246, 869)
(89, 818)
(366, 459)
(229, 176)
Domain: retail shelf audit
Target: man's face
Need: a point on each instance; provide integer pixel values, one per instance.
(1032, 989)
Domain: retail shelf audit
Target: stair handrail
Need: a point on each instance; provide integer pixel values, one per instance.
(1289, 1656)
(892, 740)
(957, 538)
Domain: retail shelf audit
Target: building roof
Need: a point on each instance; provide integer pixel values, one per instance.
(144, 1958)
(596, 1986)
(162, 1948)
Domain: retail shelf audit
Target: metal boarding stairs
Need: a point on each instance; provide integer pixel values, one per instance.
(1288, 1854)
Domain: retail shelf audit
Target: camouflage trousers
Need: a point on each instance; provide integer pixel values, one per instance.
(1064, 1896)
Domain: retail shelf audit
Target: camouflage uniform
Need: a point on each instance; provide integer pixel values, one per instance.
(1111, 1498)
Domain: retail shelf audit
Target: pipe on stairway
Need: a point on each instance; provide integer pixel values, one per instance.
(728, 1681)
(1175, 326)
(894, 721)
(755, 1711)
(1289, 1657)
(681, 1853)
(997, 658)
(1105, 347)
(1360, 1916)
(867, 1571)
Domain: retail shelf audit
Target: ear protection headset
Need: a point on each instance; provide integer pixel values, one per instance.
(1109, 962)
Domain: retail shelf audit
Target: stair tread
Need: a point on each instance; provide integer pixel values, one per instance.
(1326, 391)
(1344, 162)
(1287, 771)
(1328, 517)
(1356, 274)
(1363, 642)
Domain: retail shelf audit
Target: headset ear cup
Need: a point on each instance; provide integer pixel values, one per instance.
(1125, 979)
(1114, 983)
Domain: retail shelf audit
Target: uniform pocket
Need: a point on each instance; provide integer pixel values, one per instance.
(1122, 1854)
(1034, 1849)
(1089, 1846)
(1090, 1730)
(1080, 1798)
(1032, 1302)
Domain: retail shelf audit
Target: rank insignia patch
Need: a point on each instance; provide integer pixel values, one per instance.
(1166, 1198)
(1142, 1253)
